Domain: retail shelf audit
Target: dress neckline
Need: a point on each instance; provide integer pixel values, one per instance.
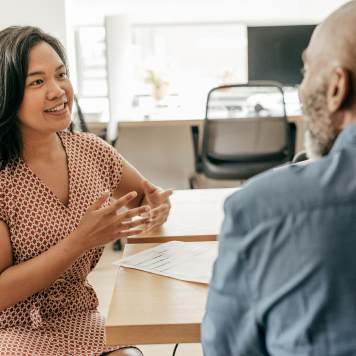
(45, 185)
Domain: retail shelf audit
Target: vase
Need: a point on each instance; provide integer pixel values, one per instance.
(159, 92)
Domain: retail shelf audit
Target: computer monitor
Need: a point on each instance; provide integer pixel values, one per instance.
(274, 52)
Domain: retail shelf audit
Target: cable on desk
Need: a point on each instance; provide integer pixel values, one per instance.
(175, 349)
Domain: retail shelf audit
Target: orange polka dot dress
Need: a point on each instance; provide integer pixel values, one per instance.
(62, 319)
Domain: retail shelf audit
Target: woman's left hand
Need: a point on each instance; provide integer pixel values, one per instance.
(158, 199)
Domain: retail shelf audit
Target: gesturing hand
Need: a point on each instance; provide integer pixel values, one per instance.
(99, 227)
(157, 198)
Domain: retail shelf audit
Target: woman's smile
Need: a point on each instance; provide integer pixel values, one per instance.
(58, 110)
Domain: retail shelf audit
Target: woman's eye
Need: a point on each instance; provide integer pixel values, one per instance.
(37, 82)
(63, 75)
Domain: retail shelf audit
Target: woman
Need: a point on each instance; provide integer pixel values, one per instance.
(55, 212)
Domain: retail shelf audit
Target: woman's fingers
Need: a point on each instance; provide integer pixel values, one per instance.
(127, 228)
(159, 217)
(154, 225)
(100, 201)
(127, 233)
(165, 194)
(118, 204)
(131, 224)
(129, 214)
(163, 208)
(118, 223)
(148, 187)
(99, 227)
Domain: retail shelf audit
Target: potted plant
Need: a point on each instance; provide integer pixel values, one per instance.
(159, 82)
(158, 72)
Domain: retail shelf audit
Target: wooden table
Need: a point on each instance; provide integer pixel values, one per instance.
(151, 309)
(196, 215)
(166, 121)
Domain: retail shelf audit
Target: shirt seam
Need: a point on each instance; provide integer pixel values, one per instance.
(297, 212)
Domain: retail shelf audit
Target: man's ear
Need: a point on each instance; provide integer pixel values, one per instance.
(338, 90)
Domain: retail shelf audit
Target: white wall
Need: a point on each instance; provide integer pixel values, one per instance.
(92, 12)
(49, 15)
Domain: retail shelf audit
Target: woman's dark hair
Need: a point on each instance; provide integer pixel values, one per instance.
(16, 43)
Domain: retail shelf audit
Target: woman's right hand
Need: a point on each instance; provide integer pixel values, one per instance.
(99, 227)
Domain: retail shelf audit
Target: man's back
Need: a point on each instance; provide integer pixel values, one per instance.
(285, 280)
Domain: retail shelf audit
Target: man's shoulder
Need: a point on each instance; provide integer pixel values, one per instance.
(295, 189)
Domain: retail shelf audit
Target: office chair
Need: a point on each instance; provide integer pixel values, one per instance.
(245, 132)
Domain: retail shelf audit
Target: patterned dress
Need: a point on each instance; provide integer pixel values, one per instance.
(62, 319)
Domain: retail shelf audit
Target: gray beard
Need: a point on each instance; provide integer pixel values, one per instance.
(320, 134)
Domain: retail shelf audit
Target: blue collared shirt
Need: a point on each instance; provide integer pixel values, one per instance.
(285, 280)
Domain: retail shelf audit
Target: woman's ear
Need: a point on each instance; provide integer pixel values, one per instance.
(338, 90)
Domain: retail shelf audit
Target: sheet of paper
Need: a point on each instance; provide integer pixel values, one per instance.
(187, 261)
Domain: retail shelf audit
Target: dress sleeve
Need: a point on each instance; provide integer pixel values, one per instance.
(104, 157)
(115, 167)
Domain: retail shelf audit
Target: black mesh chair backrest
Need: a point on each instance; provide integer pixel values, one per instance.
(246, 123)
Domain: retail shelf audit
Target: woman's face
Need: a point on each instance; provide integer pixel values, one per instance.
(48, 97)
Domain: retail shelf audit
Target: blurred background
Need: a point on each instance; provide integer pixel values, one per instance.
(136, 59)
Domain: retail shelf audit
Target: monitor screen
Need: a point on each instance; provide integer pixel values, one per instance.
(275, 52)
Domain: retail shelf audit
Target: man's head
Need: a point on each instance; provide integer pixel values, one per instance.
(328, 90)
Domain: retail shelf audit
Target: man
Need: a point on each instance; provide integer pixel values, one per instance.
(285, 280)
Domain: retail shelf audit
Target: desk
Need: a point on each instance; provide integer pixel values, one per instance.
(151, 309)
(196, 215)
(160, 121)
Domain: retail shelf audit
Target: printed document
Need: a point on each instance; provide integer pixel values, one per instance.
(187, 261)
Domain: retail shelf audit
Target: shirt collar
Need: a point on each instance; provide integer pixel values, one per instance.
(346, 138)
